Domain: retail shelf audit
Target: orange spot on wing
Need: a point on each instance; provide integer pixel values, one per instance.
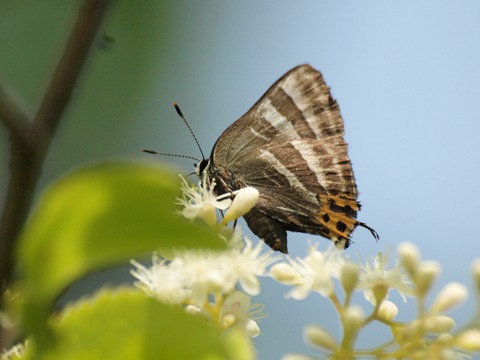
(338, 215)
(344, 202)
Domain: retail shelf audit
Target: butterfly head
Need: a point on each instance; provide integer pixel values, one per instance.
(201, 167)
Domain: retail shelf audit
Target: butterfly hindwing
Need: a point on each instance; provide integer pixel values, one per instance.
(319, 198)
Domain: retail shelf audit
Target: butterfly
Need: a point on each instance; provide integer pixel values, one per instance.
(290, 147)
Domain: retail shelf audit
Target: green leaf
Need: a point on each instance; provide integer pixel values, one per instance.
(127, 324)
(95, 218)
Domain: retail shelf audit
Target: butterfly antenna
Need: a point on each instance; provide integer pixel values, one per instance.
(179, 112)
(167, 154)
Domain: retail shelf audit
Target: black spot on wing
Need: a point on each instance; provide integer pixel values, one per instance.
(346, 209)
(341, 226)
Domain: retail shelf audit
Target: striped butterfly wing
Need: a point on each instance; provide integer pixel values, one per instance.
(297, 106)
(318, 198)
(290, 147)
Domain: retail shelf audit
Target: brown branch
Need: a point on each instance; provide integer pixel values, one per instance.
(31, 140)
(66, 73)
(13, 117)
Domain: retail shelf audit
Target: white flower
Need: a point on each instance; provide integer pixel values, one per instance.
(234, 310)
(165, 281)
(249, 264)
(211, 272)
(193, 276)
(203, 270)
(376, 280)
(238, 311)
(313, 273)
(200, 201)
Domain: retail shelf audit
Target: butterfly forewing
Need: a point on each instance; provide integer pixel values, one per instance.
(290, 147)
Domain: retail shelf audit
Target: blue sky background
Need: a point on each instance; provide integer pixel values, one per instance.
(406, 75)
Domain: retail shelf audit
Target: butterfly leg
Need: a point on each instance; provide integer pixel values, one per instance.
(271, 231)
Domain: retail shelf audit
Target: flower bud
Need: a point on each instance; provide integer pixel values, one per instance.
(427, 272)
(243, 202)
(451, 295)
(412, 330)
(285, 274)
(296, 357)
(439, 324)
(387, 310)
(252, 329)
(476, 273)
(192, 309)
(349, 277)
(410, 256)
(319, 337)
(445, 339)
(228, 320)
(469, 340)
(353, 318)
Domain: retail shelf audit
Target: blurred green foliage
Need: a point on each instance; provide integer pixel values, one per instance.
(90, 220)
(124, 324)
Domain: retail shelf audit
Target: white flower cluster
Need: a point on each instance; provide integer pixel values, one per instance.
(429, 336)
(206, 280)
(317, 272)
